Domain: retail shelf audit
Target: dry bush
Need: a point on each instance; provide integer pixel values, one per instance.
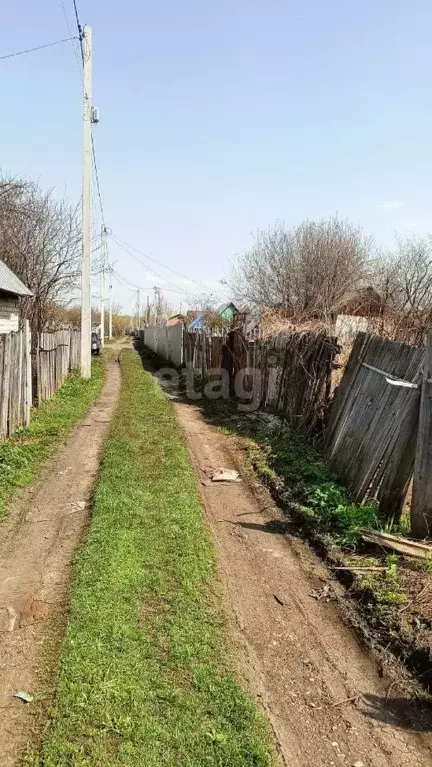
(305, 271)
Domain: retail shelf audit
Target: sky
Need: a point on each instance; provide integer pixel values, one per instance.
(217, 118)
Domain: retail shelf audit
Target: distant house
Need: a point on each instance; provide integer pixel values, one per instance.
(199, 322)
(177, 319)
(223, 316)
(11, 290)
(227, 312)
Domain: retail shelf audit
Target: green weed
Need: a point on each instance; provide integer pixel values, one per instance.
(23, 454)
(392, 567)
(310, 483)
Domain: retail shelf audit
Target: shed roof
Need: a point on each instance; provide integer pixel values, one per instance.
(223, 307)
(11, 283)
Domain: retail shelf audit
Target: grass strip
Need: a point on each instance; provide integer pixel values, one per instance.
(23, 454)
(146, 678)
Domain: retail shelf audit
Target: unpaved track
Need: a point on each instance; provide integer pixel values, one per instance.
(299, 657)
(37, 545)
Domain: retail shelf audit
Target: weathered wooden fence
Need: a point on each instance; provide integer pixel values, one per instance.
(203, 352)
(56, 355)
(289, 374)
(165, 341)
(372, 430)
(15, 381)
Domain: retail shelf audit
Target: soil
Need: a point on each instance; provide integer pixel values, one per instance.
(326, 699)
(38, 540)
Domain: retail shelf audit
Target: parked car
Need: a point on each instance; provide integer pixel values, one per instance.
(95, 344)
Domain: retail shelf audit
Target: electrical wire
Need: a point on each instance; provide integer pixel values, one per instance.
(131, 286)
(176, 288)
(124, 244)
(95, 165)
(77, 58)
(37, 48)
(80, 29)
(97, 182)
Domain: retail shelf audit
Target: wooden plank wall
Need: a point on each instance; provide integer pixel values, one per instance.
(203, 352)
(372, 430)
(293, 373)
(15, 381)
(56, 355)
(289, 374)
(370, 426)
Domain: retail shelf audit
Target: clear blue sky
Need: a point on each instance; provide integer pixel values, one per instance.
(219, 117)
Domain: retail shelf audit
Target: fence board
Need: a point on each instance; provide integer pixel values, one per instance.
(57, 354)
(373, 423)
(421, 511)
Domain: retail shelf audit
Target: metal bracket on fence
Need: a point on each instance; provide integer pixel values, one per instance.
(391, 379)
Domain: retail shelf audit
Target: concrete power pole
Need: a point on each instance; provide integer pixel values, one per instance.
(157, 300)
(86, 207)
(102, 285)
(110, 335)
(138, 308)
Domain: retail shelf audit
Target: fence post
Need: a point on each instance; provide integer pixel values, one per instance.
(27, 373)
(421, 506)
(38, 370)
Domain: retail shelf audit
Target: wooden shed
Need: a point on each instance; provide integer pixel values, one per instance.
(11, 290)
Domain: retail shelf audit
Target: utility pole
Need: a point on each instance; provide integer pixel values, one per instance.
(138, 309)
(157, 298)
(148, 311)
(86, 207)
(110, 335)
(102, 284)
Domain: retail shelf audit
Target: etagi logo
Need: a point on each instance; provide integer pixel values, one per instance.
(247, 385)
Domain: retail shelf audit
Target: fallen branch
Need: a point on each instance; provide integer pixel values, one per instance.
(346, 700)
(369, 569)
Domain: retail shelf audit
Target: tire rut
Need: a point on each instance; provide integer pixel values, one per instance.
(38, 541)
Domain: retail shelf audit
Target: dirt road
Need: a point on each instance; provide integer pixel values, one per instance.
(324, 698)
(37, 544)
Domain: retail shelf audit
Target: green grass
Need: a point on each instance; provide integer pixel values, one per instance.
(23, 454)
(146, 676)
(311, 483)
(310, 488)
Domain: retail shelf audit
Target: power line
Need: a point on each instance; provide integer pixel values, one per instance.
(37, 48)
(95, 166)
(77, 59)
(97, 181)
(132, 286)
(80, 29)
(125, 245)
(177, 288)
(77, 17)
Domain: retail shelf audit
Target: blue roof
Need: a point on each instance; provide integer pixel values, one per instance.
(199, 323)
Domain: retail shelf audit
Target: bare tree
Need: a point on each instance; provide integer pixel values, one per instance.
(305, 271)
(40, 242)
(404, 280)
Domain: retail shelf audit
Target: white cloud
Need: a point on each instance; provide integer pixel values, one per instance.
(389, 205)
